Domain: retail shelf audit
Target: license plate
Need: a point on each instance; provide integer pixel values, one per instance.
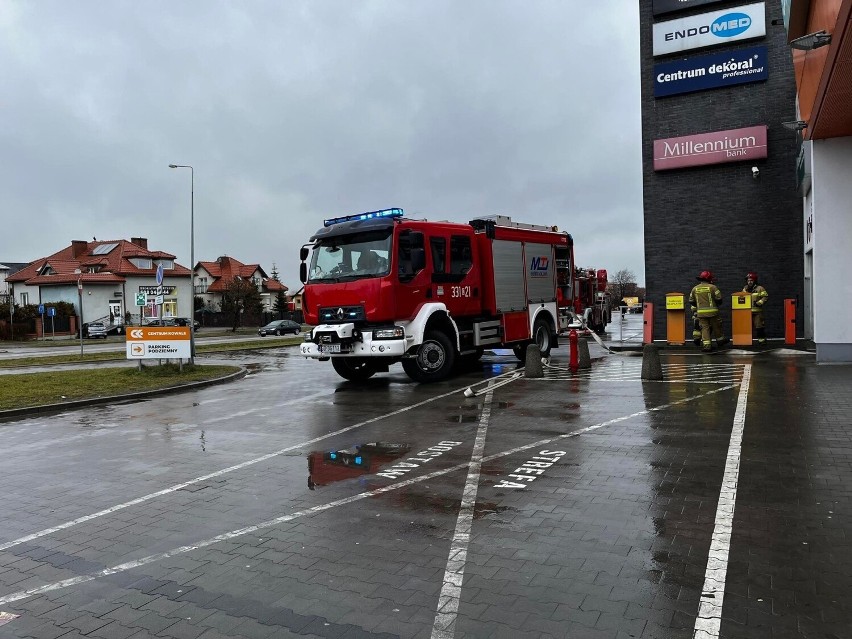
(329, 348)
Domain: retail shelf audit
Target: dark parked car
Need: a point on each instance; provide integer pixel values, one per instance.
(280, 327)
(166, 321)
(96, 329)
(184, 321)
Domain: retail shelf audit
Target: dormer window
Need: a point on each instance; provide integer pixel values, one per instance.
(94, 269)
(167, 264)
(142, 262)
(47, 269)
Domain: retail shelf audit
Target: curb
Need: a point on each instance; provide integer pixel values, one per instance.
(93, 401)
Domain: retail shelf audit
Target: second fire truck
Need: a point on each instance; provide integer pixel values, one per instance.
(381, 288)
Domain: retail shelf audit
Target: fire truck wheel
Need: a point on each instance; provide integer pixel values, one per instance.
(352, 368)
(434, 361)
(543, 337)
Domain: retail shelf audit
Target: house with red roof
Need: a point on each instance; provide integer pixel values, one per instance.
(104, 280)
(212, 279)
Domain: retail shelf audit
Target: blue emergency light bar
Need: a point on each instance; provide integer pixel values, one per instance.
(370, 215)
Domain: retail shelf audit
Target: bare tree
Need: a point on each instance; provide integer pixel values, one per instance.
(623, 284)
(241, 295)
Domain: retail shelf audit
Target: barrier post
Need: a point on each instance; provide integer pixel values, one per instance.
(675, 318)
(789, 321)
(574, 355)
(741, 318)
(647, 323)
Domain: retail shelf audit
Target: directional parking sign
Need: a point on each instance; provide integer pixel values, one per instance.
(161, 342)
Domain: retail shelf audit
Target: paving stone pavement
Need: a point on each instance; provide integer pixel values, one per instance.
(593, 505)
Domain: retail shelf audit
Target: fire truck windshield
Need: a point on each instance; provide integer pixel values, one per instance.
(351, 257)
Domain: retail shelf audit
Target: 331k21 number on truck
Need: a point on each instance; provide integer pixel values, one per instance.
(381, 288)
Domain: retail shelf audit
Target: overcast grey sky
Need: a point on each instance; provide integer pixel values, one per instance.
(294, 111)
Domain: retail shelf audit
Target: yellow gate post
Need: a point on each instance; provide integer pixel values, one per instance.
(675, 318)
(741, 318)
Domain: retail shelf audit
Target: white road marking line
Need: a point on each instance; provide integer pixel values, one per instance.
(713, 594)
(16, 596)
(444, 626)
(218, 473)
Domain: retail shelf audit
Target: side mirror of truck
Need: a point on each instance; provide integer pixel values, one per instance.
(303, 272)
(418, 259)
(303, 254)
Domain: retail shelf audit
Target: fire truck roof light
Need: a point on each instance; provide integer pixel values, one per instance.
(370, 215)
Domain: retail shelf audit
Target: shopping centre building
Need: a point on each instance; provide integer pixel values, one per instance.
(725, 169)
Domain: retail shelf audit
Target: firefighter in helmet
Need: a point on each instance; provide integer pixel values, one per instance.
(705, 300)
(696, 327)
(759, 297)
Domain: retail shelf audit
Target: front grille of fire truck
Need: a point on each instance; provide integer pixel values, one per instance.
(341, 314)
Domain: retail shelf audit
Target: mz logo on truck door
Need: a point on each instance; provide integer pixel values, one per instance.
(539, 265)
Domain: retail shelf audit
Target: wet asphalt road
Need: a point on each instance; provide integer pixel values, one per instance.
(576, 505)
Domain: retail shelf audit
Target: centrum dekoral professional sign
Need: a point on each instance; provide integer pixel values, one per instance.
(710, 71)
(710, 29)
(669, 6)
(719, 147)
(162, 342)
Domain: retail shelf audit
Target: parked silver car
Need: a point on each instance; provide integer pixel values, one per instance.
(96, 329)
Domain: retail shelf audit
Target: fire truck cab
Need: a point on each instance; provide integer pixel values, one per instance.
(381, 288)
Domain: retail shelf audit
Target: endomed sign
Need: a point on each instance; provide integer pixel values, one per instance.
(710, 29)
(162, 342)
(710, 71)
(719, 147)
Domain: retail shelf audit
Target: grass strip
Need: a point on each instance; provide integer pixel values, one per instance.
(69, 358)
(37, 389)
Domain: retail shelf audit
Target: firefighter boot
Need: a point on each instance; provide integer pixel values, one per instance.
(696, 332)
(760, 334)
(707, 347)
(722, 341)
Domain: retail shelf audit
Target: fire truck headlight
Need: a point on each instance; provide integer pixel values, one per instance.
(395, 332)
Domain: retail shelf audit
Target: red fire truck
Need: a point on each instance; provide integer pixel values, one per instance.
(381, 288)
(591, 300)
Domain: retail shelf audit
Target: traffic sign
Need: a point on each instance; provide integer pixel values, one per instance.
(158, 300)
(51, 312)
(159, 274)
(41, 309)
(141, 299)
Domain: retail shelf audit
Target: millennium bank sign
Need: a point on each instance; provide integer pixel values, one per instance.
(718, 147)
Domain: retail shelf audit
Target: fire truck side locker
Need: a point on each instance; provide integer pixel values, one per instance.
(675, 319)
(509, 291)
(741, 319)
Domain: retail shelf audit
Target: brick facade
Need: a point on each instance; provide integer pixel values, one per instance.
(719, 217)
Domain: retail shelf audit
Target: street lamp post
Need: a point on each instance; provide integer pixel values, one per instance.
(79, 274)
(191, 257)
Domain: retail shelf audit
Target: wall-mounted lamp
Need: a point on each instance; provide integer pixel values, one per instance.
(795, 125)
(755, 172)
(811, 41)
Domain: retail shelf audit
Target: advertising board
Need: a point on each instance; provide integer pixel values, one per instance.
(718, 147)
(710, 29)
(161, 342)
(710, 71)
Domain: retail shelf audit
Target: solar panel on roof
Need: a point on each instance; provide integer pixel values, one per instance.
(103, 249)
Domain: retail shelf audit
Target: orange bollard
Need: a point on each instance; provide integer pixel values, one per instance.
(574, 352)
(647, 323)
(789, 321)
